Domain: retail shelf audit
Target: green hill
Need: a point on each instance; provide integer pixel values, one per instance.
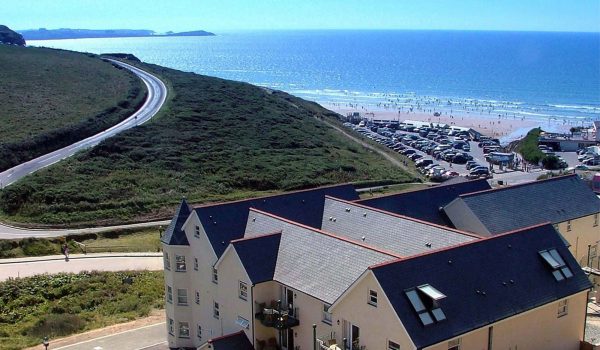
(52, 98)
(216, 140)
(8, 36)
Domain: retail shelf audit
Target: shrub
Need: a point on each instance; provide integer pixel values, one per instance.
(57, 325)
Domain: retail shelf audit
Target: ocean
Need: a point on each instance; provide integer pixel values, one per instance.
(533, 75)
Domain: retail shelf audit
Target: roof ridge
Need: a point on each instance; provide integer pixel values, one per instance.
(255, 237)
(205, 205)
(430, 188)
(555, 178)
(225, 336)
(465, 233)
(485, 239)
(325, 233)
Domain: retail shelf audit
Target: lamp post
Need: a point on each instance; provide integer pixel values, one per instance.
(45, 342)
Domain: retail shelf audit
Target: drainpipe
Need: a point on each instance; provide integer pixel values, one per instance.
(314, 336)
(490, 336)
(252, 314)
(588, 256)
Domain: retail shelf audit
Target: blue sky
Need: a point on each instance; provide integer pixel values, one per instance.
(233, 15)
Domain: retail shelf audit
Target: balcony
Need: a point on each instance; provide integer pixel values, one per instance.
(276, 316)
(329, 342)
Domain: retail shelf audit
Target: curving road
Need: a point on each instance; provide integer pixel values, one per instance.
(157, 94)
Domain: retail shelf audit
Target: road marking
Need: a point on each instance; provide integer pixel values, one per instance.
(110, 335)
(149, 346)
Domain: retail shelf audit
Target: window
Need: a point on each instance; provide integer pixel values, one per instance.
(169, 294)
(171, 327)
(242, 322)
(180, 263)
(568, 225)
(184, 330)
(215, 276)
(372, 298)
(167, 261)
(196, 264)
(197, 231)
(199, 332)
(560, 270)
(393, 346)
(596, 219)
(243, 290)
(198, 297)
(326, 314)
(181, 296)
(454, 344)
(425, 301)
(216, 313)
(563, 308)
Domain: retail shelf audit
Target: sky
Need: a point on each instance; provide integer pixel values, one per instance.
(236, 15)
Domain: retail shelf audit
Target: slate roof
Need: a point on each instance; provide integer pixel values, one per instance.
(425, 204)
(489, 266)
(226, 221)
(259, 256)
(399, 234)
(315, 262)
(233, 341)
(555, 200)
(174, 235)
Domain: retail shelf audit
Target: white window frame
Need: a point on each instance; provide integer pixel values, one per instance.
(569, 227)
(199, 331)
(372, 298)
(197, 297)
(195, 263)
(596, 219)
(215, 276)
(242, 322)
(169, 294)
(216, 310)
(392, 345)
(180, 265)
(454, 344)
(326, 315)
(563, 308)
(167, 261)
(197, 231)
(171, 327)
(243, 290)
(184, 330)
(182, 298)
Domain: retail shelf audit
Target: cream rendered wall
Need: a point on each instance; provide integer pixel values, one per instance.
(231, 272)
(536, 329)
(583, 232)
(377, 324)
(264, 293)
(178, 280)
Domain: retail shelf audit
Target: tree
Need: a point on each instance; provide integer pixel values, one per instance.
(551, 162)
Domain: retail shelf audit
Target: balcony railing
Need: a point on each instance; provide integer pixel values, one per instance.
(276, 316)
(329, 342)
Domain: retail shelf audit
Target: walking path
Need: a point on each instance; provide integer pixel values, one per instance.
(24, 267)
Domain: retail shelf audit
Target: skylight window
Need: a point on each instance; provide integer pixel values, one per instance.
(560, 270)
(424, 300)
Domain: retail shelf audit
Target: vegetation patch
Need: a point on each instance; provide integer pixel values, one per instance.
(216, 140)
(528, 147)
(53, 98)
(59, 305)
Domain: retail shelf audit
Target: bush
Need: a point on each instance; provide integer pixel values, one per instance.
(551, 162)
(54, 325)
(528, 147)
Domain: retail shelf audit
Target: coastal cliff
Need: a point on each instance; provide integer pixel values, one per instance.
(8, 36)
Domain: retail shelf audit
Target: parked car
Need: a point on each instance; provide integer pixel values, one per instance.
(408, 152)
(421, 163)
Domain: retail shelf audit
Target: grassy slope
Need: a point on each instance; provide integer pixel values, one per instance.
(217, 140)
(63, 304)
(49, 95)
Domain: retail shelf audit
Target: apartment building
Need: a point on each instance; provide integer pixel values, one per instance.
(277, 272)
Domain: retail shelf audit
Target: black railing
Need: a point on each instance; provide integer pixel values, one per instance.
(276, 316)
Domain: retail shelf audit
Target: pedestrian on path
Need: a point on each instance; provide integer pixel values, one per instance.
(66, 251)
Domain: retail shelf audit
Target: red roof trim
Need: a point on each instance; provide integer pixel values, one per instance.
(255, 237)
(325, 233)
(470, 234)
(459, 245)
(196, 206)
(556, 178)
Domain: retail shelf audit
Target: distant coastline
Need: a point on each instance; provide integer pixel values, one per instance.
(68, 33)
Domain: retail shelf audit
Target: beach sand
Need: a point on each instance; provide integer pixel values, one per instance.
(505, 128)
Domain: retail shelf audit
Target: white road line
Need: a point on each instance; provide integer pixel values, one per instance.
(149, 346)
(110, 335)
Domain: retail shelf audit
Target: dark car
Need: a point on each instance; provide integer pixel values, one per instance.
(415, 156)
(408, 152)
(459, 159)
(423, 163)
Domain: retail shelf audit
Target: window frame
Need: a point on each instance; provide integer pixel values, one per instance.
(183, 328)
(326, 316)
(392, 345)
(455, 344)
(196, 263)
(197, 231)
(216, 310)
(563, 308)
(569, 226)
(372, 298)
(197, 297)
(199, 331)
(243, 290)
(595, 219)
(180, 266)
(166, 261)
(171, 327)
(215, 276)
(169, 294)
(182, 299)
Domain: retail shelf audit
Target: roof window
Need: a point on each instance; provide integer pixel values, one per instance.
(560, 270)
(425, 301)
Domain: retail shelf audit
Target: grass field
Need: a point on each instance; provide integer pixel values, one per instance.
(51, 98)
(59, 305)
(216, 140)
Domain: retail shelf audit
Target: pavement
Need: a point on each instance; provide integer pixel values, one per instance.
(151, 337)
(24, 267)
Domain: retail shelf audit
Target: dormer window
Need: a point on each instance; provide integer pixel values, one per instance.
(425, 301)
(560, 270)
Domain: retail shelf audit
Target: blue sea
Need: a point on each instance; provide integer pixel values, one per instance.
(533, 75)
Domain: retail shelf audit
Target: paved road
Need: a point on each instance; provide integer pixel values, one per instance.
(157, 94)
(152, 337)
(24, 267)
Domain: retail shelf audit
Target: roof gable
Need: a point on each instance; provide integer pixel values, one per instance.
(425, 204)
(515, 279)
(259, 256)
(227, 221)
(234, 341)
(556, 200)
(174, 234)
